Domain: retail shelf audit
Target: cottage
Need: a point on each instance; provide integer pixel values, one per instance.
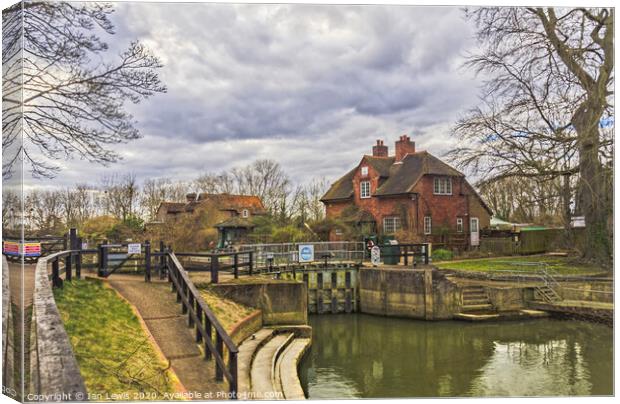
(236, 212)
(411, 191)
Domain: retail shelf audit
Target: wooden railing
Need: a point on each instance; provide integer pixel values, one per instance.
(222, 261)
(205, 322)
(407, 252)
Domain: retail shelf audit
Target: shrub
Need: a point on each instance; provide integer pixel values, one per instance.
(441, 254)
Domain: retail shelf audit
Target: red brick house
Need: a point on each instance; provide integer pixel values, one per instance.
(412, 191)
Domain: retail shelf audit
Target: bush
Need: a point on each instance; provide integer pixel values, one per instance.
(441, 254)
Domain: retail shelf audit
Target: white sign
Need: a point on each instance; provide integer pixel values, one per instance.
(306, 253)
(375, 255)
(578, 221)
(134, 248)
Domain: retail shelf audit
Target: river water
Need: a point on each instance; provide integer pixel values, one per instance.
(358, 355)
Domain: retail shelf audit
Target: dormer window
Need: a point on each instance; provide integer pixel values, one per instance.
(365, 189)
(245, 213)
(442, 186)
(364, 171)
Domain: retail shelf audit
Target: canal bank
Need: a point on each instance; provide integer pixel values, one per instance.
(365, 356)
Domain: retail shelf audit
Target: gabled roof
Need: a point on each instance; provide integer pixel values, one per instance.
(399, 177)
(405, 174)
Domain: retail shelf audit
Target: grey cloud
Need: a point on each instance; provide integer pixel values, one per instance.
(310, 86)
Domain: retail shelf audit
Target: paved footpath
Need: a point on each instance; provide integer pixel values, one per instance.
(162, 314)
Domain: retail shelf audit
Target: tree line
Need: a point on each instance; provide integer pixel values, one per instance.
(123, 198)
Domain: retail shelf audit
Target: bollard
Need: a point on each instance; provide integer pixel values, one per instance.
(147, 261)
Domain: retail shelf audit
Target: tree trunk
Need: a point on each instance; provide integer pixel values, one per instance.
(591, 190)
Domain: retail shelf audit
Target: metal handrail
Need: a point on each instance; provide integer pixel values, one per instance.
(200, 316)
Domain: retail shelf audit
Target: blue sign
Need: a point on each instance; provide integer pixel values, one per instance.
(306, 253)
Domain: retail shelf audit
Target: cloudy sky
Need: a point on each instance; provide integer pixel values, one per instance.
(311, 87)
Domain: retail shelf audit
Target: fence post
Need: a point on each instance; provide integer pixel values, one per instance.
(147, 261)
(406, 255)
(55, 274)
(232, 368)
(103, 260)
(250, 262)
(78, 258)
(162, 260)
(219, 348)
(236, 265)
(215, 268)
(426, 254)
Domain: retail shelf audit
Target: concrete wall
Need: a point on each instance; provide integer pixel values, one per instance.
(507, 298)
(281, 302)
(246, 327)
(588, 291)
(420, 293)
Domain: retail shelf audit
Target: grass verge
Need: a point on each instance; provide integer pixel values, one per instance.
(115, 355)
(227, 311)
(562, 265)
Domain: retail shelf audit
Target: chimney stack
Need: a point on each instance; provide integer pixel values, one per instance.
(379, 150)
(404, 146)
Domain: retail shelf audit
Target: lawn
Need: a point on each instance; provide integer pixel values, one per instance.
(114, 353)
(561, 265)
(227, 311)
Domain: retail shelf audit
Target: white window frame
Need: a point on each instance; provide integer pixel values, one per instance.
(442, 186)
(245, 213)
(428, 225)
(364, 192)
(364, 171)
(459, 225)
(392, 227)
(472, 225)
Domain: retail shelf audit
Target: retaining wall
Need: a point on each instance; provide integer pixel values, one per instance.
(281, 302)
(414, 293)
(55, 375)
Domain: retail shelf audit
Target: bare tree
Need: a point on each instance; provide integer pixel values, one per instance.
(547, 93)
(72, 103)
(155, 191)
(120, 195)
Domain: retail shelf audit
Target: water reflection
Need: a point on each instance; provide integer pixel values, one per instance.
(369, 356)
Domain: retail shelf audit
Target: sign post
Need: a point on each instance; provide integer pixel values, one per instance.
(135, 248)
(306, 253)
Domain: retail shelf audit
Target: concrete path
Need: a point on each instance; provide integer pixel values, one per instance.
(162, 314)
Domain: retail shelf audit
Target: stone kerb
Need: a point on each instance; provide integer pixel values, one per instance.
(55, 374)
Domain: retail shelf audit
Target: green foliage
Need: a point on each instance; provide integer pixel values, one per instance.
(113, 351)
(98, 227)
(132, 228)
(441, 254)
(289, 234)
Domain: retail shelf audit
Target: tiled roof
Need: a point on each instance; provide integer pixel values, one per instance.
(398, 177)
(222, 201)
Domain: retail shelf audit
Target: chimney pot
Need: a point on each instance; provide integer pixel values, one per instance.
(380, 150)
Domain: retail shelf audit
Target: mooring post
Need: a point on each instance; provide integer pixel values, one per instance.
(147, 261)
(215, 268)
